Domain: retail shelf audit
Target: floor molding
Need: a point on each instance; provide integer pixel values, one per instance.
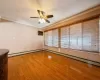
(89, 62)
(24, 52)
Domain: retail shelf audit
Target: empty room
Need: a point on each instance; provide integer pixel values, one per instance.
(49, 39)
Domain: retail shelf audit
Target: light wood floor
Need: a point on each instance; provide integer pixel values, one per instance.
(37, 66)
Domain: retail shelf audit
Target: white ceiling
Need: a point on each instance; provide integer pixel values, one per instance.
(21, 10)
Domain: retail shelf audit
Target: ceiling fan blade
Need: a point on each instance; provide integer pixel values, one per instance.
(47, 21)
(49, 16)
(34, 17)
(43, 13)
(39, 12)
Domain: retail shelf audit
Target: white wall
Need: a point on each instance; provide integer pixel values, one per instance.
(19, 38)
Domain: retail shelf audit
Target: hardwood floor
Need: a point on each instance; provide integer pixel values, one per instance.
(48, 66)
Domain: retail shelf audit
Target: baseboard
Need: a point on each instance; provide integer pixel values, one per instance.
(24, 52)
(89, 62)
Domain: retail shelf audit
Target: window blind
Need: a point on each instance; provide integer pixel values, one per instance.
(50, 39)
(91, 35)
(46, 38)
(76, 36)
(65, 37)
(80, 36)
(55, 38)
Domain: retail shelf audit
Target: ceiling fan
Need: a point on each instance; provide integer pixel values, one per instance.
(43, 17)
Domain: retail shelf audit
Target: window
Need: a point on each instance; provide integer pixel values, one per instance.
(91, 35)
(65, 37)
(55, 38)
(80, 36)
(46, 38)
(76, 36)
(49, 39)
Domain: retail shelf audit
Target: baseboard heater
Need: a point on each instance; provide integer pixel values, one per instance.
(24, 52)
(89, 62)
(59, 53)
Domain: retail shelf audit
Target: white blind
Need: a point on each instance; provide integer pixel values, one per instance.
(65, 37)
(55, 38)
(49, 40)
(91, 35)
(46, 38)
(76, 36)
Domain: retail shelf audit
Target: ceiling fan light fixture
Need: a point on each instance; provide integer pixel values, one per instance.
(41, 20)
